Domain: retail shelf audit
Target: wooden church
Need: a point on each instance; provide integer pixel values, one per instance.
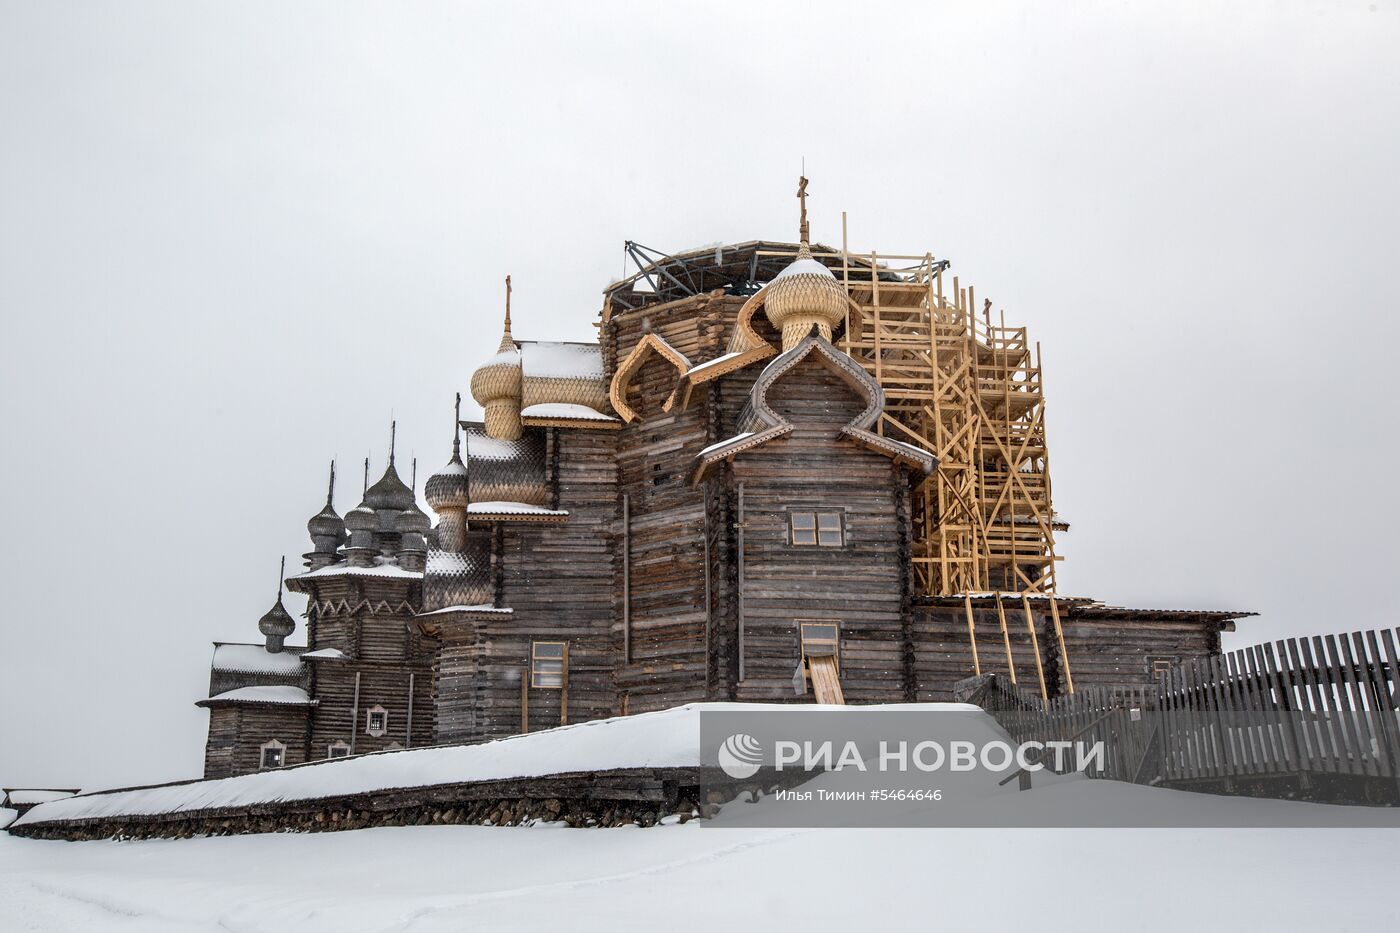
(784, 472)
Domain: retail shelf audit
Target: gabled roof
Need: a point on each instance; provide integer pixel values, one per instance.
(764, 424)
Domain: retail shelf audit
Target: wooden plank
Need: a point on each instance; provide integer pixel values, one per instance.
(1339, 716)
(1308, 700)
(826, 682)
(1005, 637)
(972, 636)
(1368, 648)
(1035, 646)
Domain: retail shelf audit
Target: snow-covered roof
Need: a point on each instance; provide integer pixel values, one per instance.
(511, 508)
(483, 607)
(709, 364)
(344, 570)
(552, 360)
(325, 654)
(725, 443)
(663, 739)
(27, 797)
(481, 446)
(256, 659)
(564, 410)
(281, 695)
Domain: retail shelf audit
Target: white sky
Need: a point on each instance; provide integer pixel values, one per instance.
(235, 238)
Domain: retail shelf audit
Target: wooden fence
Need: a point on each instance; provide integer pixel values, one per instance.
(1311, 718)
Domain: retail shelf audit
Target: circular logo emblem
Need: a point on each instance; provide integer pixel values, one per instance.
(740, 756)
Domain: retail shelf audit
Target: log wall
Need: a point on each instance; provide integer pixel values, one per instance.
(858, 585)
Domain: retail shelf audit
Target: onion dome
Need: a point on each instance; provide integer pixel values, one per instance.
(326, 527)
(447, 488)
(805, 294)
(389, 492)
(496, 385)
(361, 518)
(413, 520)
(276, 624)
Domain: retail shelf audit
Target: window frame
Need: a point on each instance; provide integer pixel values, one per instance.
(817, 528)
(272, 745)
(338, 749)
(541, 679)
(370, 714)
(1167, 662)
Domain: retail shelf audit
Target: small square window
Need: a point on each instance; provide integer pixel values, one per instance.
(1160, 666)
(820, 639)
(827, 529)
(548, 660)
(338, 750)
(830, 532)
(804, 527)
(274, 754)
(376, 721)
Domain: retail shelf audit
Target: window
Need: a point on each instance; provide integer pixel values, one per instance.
(376, 721)
(274, 754)
(1159, 666)
(548, 661)
(824, 529)
(338, 750)
(821, 640)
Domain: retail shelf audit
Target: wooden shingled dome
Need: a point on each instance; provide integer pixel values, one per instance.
(496, 385)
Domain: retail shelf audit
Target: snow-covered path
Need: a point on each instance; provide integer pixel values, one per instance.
(692, 877)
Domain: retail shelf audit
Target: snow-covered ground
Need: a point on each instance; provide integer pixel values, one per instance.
(692, 877)
(728, 873)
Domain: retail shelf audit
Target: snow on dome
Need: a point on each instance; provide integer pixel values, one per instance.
(805, 266)
(509, 357)
(256, 659)
(454, 467)
(565, 410)
(555, 360)
(282, 695)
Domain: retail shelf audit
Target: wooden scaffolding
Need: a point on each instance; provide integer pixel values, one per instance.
(967, 388)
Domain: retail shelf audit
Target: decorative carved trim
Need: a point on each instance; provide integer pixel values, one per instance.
(650, 343)
(773, 425)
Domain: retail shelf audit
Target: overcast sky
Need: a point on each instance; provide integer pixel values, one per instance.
(236, 239)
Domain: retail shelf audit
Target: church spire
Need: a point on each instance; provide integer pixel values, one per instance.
(507, 341)
(457, 428)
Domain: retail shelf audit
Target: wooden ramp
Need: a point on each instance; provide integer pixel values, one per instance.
(826, 683)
